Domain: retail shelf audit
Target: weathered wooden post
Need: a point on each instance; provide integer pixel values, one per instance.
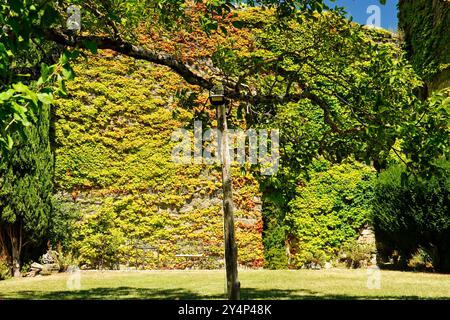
(233, 285)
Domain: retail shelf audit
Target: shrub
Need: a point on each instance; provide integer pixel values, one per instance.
(274, 238)
(99, 240)
(314, 260)
(421, 260)
(65, 259)
(330, 209)
(412, 213)
(5, 270)
(63, 222)
(26, 267)
(356, 255)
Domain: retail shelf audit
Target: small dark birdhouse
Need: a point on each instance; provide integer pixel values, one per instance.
(216, 95)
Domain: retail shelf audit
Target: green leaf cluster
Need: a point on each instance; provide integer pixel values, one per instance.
(332, 205)
(412, 213)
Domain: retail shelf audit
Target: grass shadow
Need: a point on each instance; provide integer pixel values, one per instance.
(131, 293)
(110, 294)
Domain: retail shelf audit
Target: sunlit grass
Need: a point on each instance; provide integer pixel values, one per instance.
(256, 284)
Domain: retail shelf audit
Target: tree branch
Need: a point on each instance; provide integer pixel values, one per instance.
(103, 18)
(231, 88)
(130, 50)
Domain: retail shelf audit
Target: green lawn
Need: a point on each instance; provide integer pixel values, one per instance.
(256, 284)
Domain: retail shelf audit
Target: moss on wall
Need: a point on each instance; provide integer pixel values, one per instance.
(113, 158)
(426, 28)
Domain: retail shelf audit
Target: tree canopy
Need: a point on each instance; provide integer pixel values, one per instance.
(358, 78)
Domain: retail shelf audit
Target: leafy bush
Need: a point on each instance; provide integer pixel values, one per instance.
(275, 252)
(330, 208)
(356, 255)
(274, 237)
(5, 270)
(65, 259)
(412, 213)
(99, 241)
(26, 267)
(314, 260)
(63, 222)
(421, 260)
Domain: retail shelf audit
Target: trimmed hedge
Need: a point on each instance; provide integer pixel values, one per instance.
(411, 213)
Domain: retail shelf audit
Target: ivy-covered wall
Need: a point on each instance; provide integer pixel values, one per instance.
(332, 206)
(113, 160)
(426, 28)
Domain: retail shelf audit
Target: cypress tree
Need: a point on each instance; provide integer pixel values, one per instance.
(26, 187)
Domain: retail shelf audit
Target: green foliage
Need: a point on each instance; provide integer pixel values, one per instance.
(356, 255)
(113, 159)
(100, 241)
(66, 260)
(274, 237)
(27, 182)
(27, 81)
(426, 134)
(425, 26)
(26, 267)
(421, 260)
(314, 259)
(331, 207)
(20, 106)
(412, 212)
(63, 219)
(5, 270)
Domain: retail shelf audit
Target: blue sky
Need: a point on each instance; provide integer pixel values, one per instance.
(358, 10)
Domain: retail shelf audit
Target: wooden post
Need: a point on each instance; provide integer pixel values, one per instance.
(233, 285)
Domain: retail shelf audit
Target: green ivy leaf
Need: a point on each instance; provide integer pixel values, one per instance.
(46, 98)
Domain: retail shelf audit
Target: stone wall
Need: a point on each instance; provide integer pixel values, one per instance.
(113, 162)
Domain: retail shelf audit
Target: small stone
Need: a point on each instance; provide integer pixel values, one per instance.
(373, 261)
(36, 266)
(50, 268)
(31, 273)
(50, 257)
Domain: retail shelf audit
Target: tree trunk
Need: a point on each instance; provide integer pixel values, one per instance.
(16, 262)
(15, 238)
(233, 285)
(3, 247)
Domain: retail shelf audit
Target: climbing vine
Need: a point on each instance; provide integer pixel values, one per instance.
(113, 159)
(425, 26)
